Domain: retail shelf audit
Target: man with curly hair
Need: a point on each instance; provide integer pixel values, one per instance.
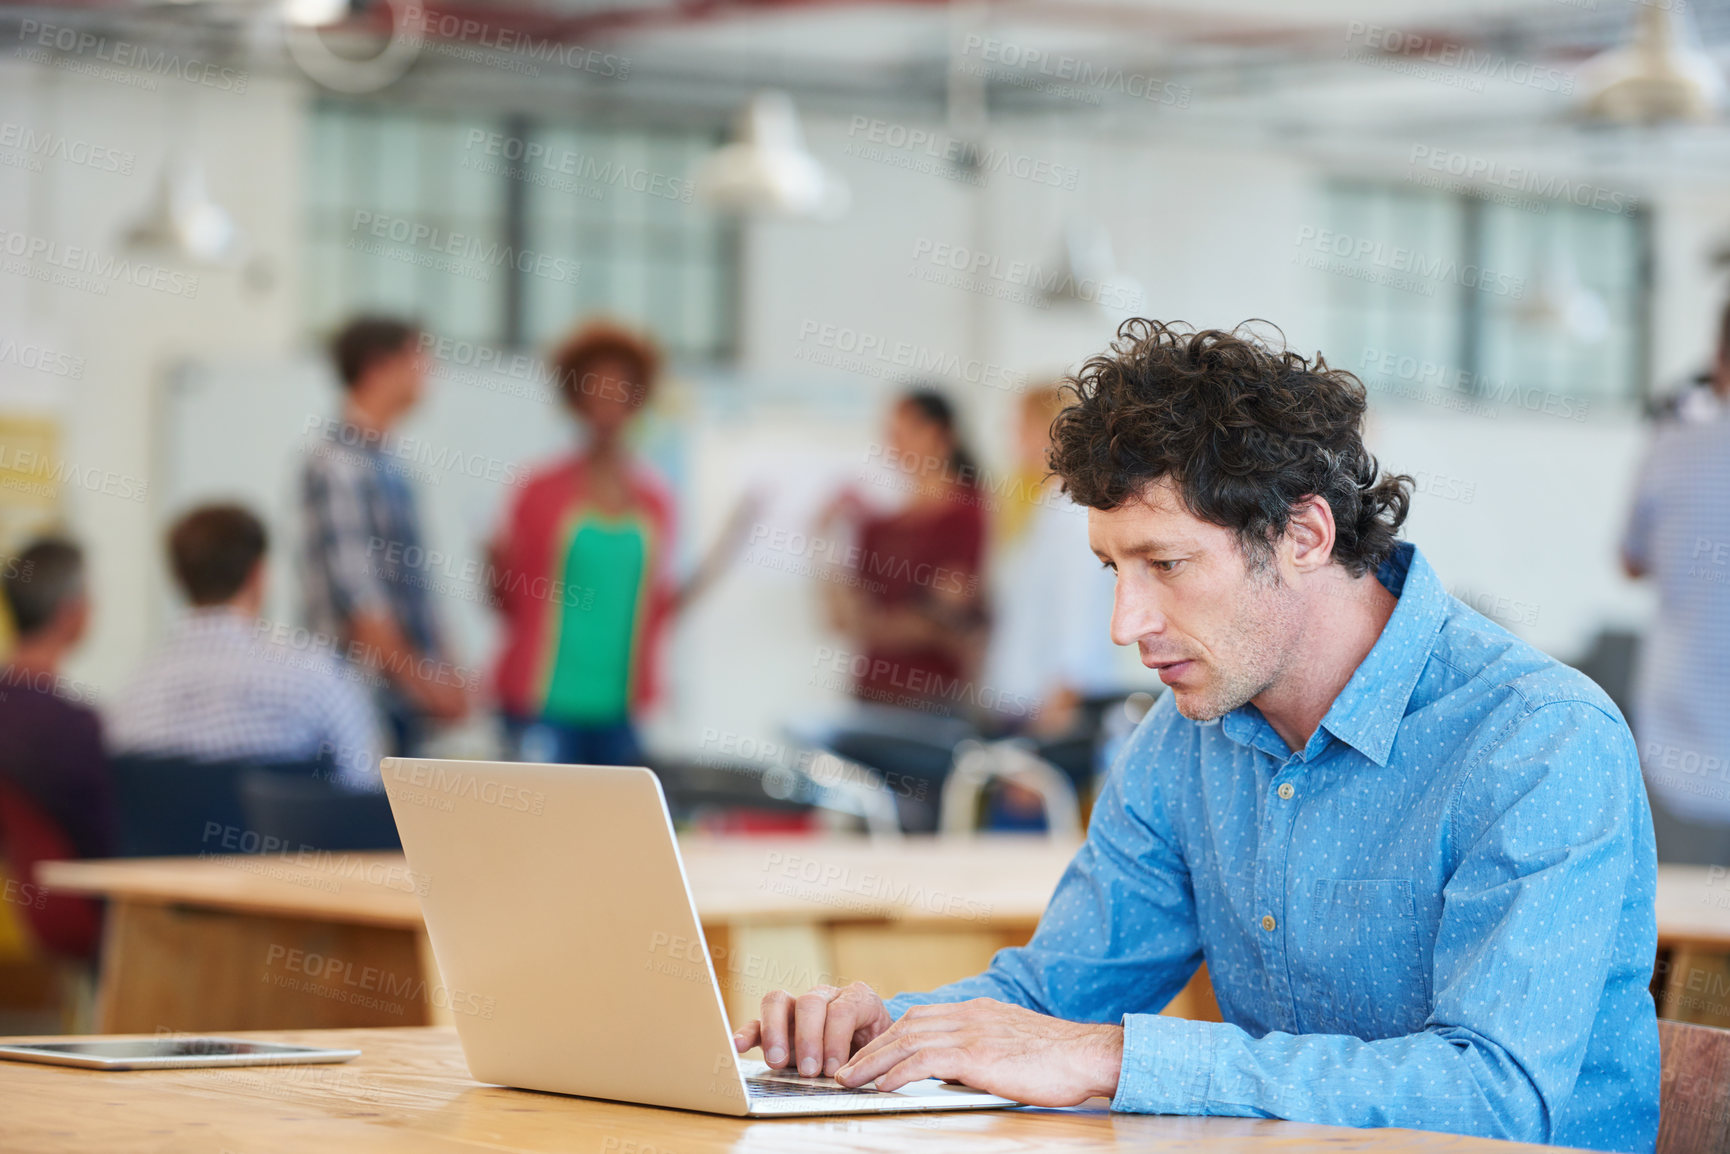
(1414, 852)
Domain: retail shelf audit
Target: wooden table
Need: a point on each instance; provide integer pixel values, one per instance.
(1694, 944)
(1694, 906)
(223, 943)
(409, 1093)
(272, 942)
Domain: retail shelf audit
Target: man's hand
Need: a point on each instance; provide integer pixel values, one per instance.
(995, 1047)
(382, 645)
(816, 1031)
(441, 700)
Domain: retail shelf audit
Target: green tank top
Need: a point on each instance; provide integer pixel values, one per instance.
(599, 620)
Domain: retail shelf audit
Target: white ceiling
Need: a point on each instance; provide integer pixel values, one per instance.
(1261, 70)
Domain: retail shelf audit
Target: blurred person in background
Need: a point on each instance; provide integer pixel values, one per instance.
(1050, 647)
(1678, 534)
(1050, 651)
(582, 569)
(359, 520)
(914, 608)
(50, 740)
(218, 690)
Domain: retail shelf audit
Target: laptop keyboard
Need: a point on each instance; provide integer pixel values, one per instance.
(760, 1087)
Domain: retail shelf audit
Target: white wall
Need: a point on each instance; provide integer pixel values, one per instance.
(132, 338)
(1207, 232)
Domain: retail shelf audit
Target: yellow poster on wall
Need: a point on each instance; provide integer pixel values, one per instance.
(29, 449)
(29, 487)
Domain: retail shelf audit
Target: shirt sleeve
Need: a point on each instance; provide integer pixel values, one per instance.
(350, 732)
(1120, 933)
(340, 538)
(504, 548)
(92, 818)
(1522, 956)
(964, 546)
(1637, 533)
(664, 518)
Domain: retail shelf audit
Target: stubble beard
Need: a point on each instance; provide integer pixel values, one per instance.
(1252, 654)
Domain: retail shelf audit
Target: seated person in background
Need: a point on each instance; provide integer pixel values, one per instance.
(50, 742)
(1050, 652)
(1050, 646)
(217, 691)
(1414, 851)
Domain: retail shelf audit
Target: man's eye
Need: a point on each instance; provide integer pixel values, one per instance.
(1108, 566)
(1166, 566)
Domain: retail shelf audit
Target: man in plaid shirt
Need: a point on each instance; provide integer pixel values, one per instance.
(360, 527)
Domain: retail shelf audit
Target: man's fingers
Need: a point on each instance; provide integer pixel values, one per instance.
(777, 1018)
(747, 1036)
(917, 1027)
(881, 1053)
(846, 1014)
(947, 1062)
(809, 1011)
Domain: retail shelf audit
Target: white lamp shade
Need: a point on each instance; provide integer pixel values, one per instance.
(767, 168)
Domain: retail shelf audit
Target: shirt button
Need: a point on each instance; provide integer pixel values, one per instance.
(1267, 922)
(1285, 791)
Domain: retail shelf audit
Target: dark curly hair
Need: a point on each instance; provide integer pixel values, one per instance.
(603, 339)
(1243, 430)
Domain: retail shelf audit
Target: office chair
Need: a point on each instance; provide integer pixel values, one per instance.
(179, 806)
(979, 763)
(296, 811)
(66, 925)
(1694, 1089)
(1611, 660)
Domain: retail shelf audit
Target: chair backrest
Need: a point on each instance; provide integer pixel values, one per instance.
(913, 768)
(178, 806)
(64, 924)
(296, 811)
(978, 763)
(1694, 1102)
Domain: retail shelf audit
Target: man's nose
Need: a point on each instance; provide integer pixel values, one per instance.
(1134, 613)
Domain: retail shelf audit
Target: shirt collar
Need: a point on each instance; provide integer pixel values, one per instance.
(1367, 713)
(213, 619)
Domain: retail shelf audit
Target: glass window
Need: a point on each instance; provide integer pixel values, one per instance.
(1438, 295)
(508, 230)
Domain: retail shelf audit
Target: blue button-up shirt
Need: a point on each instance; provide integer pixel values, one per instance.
(1445, 922)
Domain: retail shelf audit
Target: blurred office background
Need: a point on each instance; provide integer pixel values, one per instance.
(1517, 246)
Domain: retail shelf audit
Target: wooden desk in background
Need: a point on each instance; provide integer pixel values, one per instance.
(268, 942)
(1694, 944)
(409, 1093)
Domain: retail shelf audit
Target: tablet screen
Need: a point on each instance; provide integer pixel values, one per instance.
(168, 1052)
(162, 1048)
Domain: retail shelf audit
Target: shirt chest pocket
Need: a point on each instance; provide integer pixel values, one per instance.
(1358, 962)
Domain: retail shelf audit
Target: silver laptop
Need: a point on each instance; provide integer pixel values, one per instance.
(562, 924)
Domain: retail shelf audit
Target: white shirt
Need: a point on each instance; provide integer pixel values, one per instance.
(1679, 533)
(217, 691)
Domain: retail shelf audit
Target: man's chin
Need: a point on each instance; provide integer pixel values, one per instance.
(1197, 706)
(1208, 703)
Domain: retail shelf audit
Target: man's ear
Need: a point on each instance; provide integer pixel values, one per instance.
(1310, 534)
(73, 618)
(256, 577)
